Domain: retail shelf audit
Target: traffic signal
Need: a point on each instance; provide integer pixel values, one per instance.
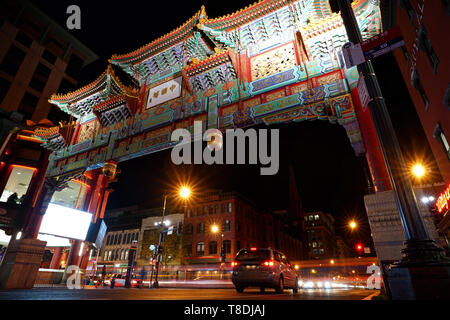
(359, 247)
(222, 255)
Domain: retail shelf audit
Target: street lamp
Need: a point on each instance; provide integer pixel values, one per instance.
(418, 170)
(215, 230)
(184, 192)
(352, 224)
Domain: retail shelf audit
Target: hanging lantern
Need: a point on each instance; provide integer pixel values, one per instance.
(110, 169)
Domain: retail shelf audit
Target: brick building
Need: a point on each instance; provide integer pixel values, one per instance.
(424, 62)
(321, 237)
(37, 58)
(240, 225)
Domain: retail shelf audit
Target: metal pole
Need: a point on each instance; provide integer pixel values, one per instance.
(161, 240)
(419, 248)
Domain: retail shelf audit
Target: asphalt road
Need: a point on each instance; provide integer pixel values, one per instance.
(181, 294)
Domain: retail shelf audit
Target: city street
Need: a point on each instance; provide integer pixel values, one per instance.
(182, 294)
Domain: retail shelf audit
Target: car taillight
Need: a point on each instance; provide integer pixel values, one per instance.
(269, 263)
(234, 263)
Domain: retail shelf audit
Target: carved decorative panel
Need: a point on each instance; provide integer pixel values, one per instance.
(273, 61)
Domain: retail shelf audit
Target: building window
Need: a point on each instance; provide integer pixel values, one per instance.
(417, 84)
(314, 251)
(188, 213)
(199, 211)
(217, 206)
(446, 101)
(316, 217)
(120, 239)
(200, 248)
(201, 227)
(314, 244)
(406, 54)
(238, 226)
(109, 255)
(12, 60)
(27, 106)
(74, 66)
(213, 247)
(227, 246)
(425, 45)
(223, 207)
(211, 209)
(229, 207)
(189, 229)
(321, 251)
(188, 249)
(4, 87)
(406, 4)
(226, 226)
(17, 185)
(129, 238)
(238, 246)
(40, 77)
(447, 6)
(105, 257)
(49, 57)
(205, 210)
(23, 39)
(439, 135)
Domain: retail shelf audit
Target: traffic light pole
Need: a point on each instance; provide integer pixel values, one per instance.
(161, 241)
(419, 249)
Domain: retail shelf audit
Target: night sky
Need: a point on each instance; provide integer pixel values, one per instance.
(329, 177)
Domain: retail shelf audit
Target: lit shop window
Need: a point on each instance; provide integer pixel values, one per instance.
(72, 196)
(17, 185)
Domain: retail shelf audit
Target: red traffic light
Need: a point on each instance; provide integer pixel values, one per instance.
(359, 246)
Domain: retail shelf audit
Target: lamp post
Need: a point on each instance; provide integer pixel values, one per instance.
(184, 192)
(215, 230)
(420, 249)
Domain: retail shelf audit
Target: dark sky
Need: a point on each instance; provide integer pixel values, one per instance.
(329, 176)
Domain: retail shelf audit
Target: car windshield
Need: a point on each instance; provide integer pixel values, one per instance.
(255, 255)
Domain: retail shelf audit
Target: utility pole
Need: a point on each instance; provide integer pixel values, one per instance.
(419, 250)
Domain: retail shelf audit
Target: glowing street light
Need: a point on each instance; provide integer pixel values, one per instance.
(352, 224)
(214, 228)
(332, 261)
(185, 192)
(418, 170)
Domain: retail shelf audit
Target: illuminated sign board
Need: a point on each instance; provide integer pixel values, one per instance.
(443, 201)
(65, 222)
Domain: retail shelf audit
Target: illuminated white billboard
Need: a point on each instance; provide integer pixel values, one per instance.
(53, 241)
(65, 222)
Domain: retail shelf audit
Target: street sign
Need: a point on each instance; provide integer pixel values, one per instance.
(378, 45)
(364, 96)
(170, 230)
(353, 54)
(366, 250)
(382, 43)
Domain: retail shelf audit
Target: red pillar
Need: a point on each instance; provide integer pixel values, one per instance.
(374, 156)
(56, 259)
(72, 257)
